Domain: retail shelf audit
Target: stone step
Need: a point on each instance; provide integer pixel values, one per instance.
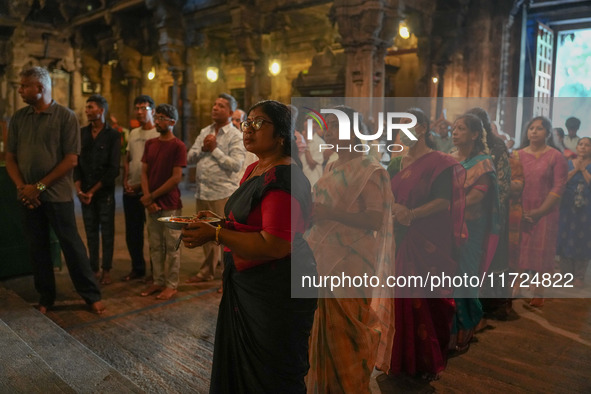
(39, 356)
(23, 370)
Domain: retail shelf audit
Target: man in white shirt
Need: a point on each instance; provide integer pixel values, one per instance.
(310, 154)
(219, 153)
(135, 214)
(238, 117)
(571, 140)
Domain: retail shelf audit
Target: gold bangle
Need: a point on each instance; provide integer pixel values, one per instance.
(217, 233)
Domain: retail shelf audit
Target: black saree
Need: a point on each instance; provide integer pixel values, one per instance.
(261, 342)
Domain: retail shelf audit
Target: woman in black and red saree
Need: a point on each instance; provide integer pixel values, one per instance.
(261, 343)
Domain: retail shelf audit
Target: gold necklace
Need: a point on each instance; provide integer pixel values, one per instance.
(252, 174)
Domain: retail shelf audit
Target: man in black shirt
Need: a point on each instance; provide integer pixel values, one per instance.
(94, 177)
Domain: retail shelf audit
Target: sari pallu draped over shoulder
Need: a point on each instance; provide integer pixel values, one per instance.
(332, 241)
(353, 327)
(477, 253)
(476, 167)
(262, 333)
(428, 245)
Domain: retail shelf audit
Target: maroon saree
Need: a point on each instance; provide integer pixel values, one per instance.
(423, 325)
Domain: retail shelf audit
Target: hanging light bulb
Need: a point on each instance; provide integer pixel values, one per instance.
(151, 74)
(212, 74)
(403, 31)
(274, 67)
(435, 79)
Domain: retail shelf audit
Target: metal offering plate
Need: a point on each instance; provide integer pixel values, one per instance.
(208, 219)
(177, 222)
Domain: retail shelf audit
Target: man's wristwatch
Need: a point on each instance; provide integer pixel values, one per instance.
(41, 187)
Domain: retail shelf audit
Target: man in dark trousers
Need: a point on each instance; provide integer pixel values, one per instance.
(94, 177)
(135, 214)
(43, 148)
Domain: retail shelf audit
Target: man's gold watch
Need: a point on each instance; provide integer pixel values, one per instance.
(41, 187)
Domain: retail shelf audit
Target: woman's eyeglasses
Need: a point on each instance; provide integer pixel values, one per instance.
(256, 124)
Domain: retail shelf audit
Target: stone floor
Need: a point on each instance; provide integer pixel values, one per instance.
(166, 346)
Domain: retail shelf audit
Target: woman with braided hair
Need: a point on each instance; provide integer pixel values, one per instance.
(481, 217)
(494, 296)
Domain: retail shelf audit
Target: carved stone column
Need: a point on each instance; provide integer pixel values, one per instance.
(19, 60)
(440, 85)
(189, 98)
(12, 85)
(133, 90)
(106, 74)
(172, 49)
(438, 33)
(129, 60)
(14, 101)
(76, 99)
(379, 74)
(366, 30)
(419, 18)
(177, 81)
(249, 83)
(5, 62)
(172, 41)
(247, 33)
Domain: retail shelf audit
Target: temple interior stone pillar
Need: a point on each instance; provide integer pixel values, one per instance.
(366, 30)
(189, 97)
(106, 75)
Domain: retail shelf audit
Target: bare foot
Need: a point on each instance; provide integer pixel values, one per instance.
(482, 325)
(97, 307)
(41, 308)
(131, 276)
(166, 294)
(150, 290)
(537, 302)
(106, 278)
(195, 279)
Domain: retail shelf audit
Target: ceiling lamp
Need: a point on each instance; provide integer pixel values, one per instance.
(274, 67)
(403, 31)
(212, 74)
(151, 74)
